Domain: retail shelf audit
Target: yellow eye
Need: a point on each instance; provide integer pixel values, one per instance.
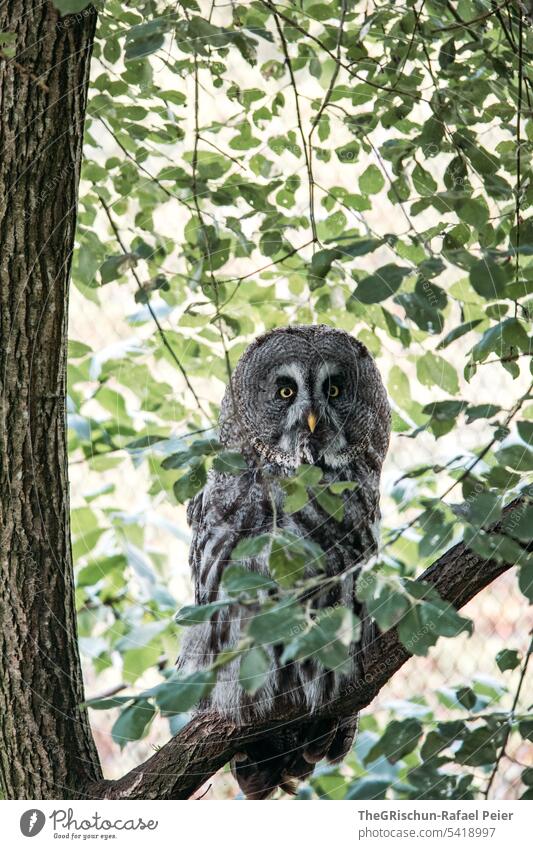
(286, 392)
(334, 391)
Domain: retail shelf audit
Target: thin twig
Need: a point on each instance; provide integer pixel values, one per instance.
(411, 42)
(275, 10)
(465, 24)
(107, 694)
(241, 279)
(160, 329)
(145, 170)
(299, 122)
(319, 114)
(214, 282)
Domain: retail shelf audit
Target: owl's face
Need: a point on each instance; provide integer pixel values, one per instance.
(311, 395)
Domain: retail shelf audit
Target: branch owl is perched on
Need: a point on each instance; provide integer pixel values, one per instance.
(299, 395)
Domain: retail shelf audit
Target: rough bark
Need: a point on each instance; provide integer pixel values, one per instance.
(46, 748)
(209, 741)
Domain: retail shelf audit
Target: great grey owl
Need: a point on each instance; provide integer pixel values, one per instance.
(299, 395)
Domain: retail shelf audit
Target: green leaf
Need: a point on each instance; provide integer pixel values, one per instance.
(368, 788)
(388, 607)
(271, 243)
(488, 279)
(522, 244)
(422, 306)
(518, 457)
(327, 639)
(107, 704)
(98, 569)
(193, 614)
(482, 508)
(237, 580)
(432, 370)
(466, 697)
(296, 496)
(507, 659)
(230, 462)
(518, 522)
(286, 565)
(331, 503)
(457, 332)
(447, 54)
(525, 431)
(367, 585)
(321, 264)
(525, 580)
(525, 728)
(478, 748)
(423, 181)
(144, 442)
(250, 547)
(444, 411)
(277, 623)
(77, 349)
(481, 411)
(371, 180)
(189, 455)
(425, 622)
(254, 669)
(347, 154)
(504, 339)
(144, 39)
(115, 266)
(180, 695)
(191, 483)
(70, 7)
(473, 211)
(133, 722)
(338, 487)
(381, 285)
(309, 475)
(358, 247)
(400, 738)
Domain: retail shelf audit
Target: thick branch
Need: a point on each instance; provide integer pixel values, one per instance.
(209, 741)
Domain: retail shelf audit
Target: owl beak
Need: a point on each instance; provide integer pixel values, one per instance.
(311, 421)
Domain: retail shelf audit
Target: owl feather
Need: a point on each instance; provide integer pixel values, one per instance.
(299, 395)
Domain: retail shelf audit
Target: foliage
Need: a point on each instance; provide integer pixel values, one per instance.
(239, 165)
(420, 757)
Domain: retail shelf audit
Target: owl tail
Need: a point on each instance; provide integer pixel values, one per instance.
(289, 755)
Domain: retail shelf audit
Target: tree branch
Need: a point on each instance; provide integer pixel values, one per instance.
(209, 740)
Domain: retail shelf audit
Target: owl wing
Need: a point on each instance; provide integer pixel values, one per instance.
(229, 508)
(219, 517)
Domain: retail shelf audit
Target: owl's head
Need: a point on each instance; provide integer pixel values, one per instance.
(307, 394)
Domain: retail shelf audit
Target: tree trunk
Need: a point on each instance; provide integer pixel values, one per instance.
(46, 748)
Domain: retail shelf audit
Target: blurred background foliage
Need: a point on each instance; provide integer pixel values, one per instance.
(365, 165)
